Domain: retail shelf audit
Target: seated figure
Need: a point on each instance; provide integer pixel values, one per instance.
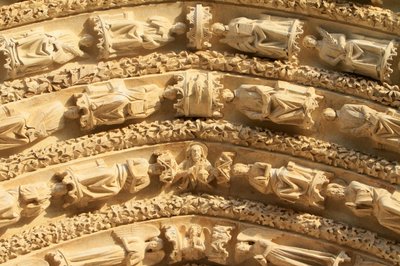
(113, 102)
(284, 104)
(96, 181)
(362, 121)
(17, 129)
(122, 34)
(357, 54)
(36, 51)
(293, 183)
(269, 36)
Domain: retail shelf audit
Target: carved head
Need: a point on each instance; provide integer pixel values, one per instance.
(219, 29)
(228, 95)
(154, 244)
(196, 152)
(87, 40)
(72, 112)
(329, 114)
(178, 28)
(310, 42)
(195, 230)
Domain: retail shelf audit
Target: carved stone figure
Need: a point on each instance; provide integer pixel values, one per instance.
(122, 34)
(363, 121)
(25, 201)
(95, 181)
(285, 104)
(195, 170)
(198, 95)
(359, 54)
(365, 200)
(220, 237)
(259, 245)
(293, 183)
(140, 245)
(17, 129)
(269, 36)
(199, 34)
(36, 51)
(187, 243)
(113, 102)
(32, 262)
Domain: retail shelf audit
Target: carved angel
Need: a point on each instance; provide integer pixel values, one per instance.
(260, 245)
(112, 103)
(97, 181)
(284, 104)
(293, 183)
(363, 121)
(269, 36)
(195, 169)
(358, 54)
(137, 245)
(17, 129)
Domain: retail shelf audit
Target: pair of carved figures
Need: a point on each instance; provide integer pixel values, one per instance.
(195, 170)
(293, 183)
(269, 36)
(357, 54)
(123, 34)
(36, 51)
(364, 201)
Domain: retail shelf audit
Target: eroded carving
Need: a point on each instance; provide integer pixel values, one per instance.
(284, 104)
(21, 128)
(96, 181)
(259, 245)
(139, 245)
(114, 102)
(197, 94)
(221, 235)
(359, 54)
(363, 121)
(293, 183)
(121, 34)
(36, 51)
(25, 201)
(199, 34)
(269, 36)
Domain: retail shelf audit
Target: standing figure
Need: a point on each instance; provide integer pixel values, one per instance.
(138, 245)
(17, 129)
(269, 36)
(293, 183)
(97, 181)
(365, 201)
(259, 245)
(121, 34)
(25, 201)
(284, 104)
(36, 51)
(362, 121)
(358, 54)
(112, 103)
(220, 238)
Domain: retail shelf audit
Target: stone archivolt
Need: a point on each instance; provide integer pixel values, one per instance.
(118, 191)
(41, 237)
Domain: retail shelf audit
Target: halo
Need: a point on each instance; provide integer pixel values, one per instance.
(202, 145)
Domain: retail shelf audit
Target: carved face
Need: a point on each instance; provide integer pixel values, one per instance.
(155, 244)
(196, 153)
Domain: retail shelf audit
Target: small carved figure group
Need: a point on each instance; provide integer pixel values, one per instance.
(195, 170)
